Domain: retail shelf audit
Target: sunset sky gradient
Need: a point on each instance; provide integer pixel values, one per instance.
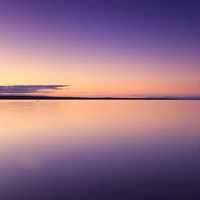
(102, 48)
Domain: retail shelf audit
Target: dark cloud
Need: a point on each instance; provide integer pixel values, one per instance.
(29, 89)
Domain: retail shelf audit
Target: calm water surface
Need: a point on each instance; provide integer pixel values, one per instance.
(99, 150)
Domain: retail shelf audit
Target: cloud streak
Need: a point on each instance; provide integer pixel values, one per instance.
(29, 89)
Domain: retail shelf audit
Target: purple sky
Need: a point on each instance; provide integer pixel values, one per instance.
(102, 47)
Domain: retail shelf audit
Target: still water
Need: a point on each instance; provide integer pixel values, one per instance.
(99, 150)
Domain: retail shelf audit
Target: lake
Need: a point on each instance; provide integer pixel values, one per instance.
(99, 150)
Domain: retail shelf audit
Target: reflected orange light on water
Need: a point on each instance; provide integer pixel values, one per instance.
(32, 124)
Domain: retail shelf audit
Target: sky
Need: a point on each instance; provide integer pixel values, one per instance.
(100, 47)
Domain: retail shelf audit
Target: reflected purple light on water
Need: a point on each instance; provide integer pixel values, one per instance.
(99, 149)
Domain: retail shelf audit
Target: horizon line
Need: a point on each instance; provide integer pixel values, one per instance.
(43, 97)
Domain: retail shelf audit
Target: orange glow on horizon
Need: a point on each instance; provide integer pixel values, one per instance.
(92, 75)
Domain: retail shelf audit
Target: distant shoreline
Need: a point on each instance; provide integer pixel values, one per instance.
(93, 98)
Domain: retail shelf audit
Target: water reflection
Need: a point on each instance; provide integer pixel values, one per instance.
(99, 149)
